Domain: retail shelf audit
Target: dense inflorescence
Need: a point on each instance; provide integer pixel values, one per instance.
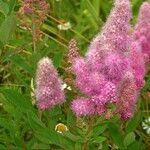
(142, 29)
(74, 50)
(48, 86)
(113, 69)
(112, 72)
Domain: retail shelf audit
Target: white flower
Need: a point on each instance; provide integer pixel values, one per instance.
(69, 88)
(64, 26)
(61, 128)
(146, 125)
(65, 86)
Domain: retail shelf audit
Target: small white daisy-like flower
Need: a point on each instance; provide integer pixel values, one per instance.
(61, 128)
(69, 88)
(146, 125)
(64, 26)
(65, 86)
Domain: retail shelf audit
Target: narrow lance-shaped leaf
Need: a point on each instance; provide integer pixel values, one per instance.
(17, 99)
(7, 28)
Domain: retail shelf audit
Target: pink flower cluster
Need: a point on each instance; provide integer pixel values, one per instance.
(114, 67)
(112, 71)
(48, 86)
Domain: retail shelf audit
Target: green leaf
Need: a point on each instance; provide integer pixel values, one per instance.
(17, 141)
(54, 112)
(5, 124)
(2, 147)
(99, 140)
(93, 13)
(99, 130)
(96, 6)
(129, 139)
(52, 137)
(72, 137)
(19, 61)
(45, 52)
(34, 121)
(70, 119)
(39, 146)
(116, 135)
(136, 5)
(4, 8)
(7, 28)
(78, 146)
(12, 5)
(134, 122)
(57, 59)
(17, 99)
(105, 8)
(137, 145)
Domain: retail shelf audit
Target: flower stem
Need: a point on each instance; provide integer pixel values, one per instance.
(33, 33)
(89, 128)
(40, 114)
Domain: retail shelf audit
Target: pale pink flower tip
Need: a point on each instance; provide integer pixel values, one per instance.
(142, 30)
(48, 85)
(83, 107)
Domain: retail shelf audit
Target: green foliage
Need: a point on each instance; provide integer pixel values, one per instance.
(22, 125)
(134, 122)
(57, 59)
(116, 135)
(17, 99)
(129, 139)
(7, 28)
